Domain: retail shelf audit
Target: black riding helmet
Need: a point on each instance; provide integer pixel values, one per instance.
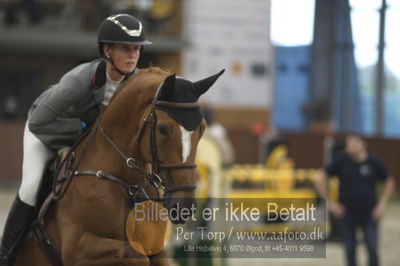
(123, 29)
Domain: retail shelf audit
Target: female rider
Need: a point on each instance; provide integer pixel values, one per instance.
(61, 113)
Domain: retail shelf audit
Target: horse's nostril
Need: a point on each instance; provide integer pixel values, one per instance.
(181, 213)
(174, 212)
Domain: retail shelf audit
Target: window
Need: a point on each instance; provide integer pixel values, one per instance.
(365, 16)
(292, 22)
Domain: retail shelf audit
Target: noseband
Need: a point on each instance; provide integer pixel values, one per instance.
(167, 185)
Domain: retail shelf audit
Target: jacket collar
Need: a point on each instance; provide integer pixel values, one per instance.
(100, 77)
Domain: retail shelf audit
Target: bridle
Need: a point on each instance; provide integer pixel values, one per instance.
(137, 192)
(156, 166)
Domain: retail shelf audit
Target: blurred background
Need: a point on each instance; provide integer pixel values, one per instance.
(300, 74)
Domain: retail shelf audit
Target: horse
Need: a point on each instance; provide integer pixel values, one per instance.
(141, 150)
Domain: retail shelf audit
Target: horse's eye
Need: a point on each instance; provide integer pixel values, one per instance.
(164, 130)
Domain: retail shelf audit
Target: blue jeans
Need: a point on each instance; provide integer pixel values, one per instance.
(348, 227)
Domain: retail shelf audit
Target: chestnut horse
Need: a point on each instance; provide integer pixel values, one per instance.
(141, 149)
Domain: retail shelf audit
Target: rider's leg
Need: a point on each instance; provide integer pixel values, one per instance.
(35, 158)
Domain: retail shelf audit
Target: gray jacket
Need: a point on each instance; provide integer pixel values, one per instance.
(56, 115)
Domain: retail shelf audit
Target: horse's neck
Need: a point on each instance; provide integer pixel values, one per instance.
(121, 126)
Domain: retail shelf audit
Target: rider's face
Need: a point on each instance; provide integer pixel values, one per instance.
(124, 56)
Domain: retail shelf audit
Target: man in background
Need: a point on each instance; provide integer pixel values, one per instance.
(358, 172)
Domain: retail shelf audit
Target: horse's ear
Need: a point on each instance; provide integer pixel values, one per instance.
(167, 87)
(203, 85)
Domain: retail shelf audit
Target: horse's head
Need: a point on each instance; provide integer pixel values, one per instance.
(170, 126)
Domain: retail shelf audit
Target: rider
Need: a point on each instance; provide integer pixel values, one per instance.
(61, 114)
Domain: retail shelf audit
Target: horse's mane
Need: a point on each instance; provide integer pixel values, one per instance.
(145, 81)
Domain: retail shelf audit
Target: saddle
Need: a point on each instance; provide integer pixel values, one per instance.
(55, 168)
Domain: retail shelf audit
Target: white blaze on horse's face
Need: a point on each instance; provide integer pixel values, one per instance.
(186, 143)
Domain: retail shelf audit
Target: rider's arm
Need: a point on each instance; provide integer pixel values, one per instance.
(46, 117)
